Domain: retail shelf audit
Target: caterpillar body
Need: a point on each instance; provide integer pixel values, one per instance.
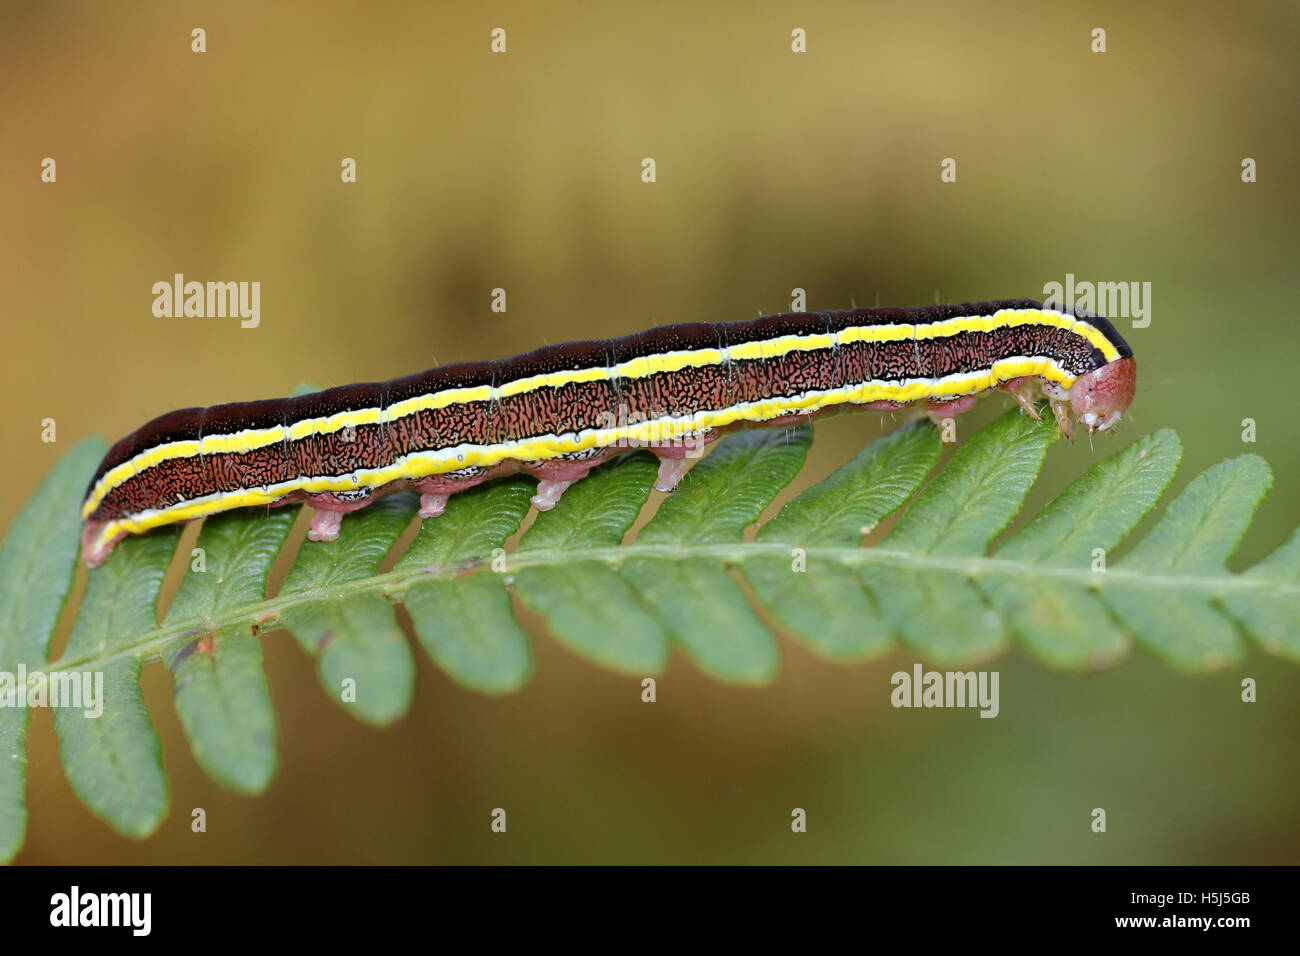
(557, 412)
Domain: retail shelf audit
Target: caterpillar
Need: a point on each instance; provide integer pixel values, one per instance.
(557, 412)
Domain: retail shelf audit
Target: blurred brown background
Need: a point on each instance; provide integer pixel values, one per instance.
(775, 170)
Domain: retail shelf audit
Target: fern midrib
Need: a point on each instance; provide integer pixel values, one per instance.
(264, 613)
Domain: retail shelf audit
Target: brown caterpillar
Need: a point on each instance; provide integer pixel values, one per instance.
(559, 411)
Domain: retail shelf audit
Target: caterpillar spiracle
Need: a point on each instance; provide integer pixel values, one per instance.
(557, 412)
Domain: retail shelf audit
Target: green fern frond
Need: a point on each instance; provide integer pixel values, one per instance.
(688, 579)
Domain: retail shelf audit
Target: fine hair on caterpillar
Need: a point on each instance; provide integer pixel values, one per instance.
(557, 412)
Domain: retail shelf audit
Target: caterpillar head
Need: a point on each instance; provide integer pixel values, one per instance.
(1101, 397)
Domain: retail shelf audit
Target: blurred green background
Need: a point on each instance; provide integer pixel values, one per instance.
(775, 170)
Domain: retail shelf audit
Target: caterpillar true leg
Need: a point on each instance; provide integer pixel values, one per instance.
(1027, 405)
(1064, 420)
(1023, 391)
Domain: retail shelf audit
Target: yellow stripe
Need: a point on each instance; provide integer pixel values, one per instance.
(877, 333)
(783, 345)
(452, 396)
(1013, 318)
(252, 439)
(653, 365)
(522, 385)
(256, 437)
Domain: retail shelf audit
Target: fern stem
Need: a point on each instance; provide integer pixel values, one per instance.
(265, 614)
